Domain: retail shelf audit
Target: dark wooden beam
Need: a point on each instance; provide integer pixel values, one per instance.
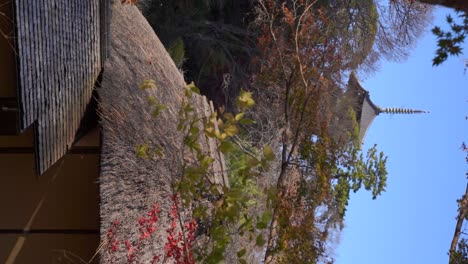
(9, 119)
(30, 150)
(50, 231)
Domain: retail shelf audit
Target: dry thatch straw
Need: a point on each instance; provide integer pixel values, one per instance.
(129, 185)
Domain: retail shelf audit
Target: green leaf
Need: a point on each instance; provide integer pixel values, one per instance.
(141, 151)
(194, 130)
(226, 147)
(247, 225)
(266, 216)
(241, 253)
(268, 153)
(246, 121)
(157, 110)
(264, 220)
(206, 161)
(152, 100)
(252, 162)
(200, 211)
(261, 225)
(191, 86)
(272, 195)
(260, 241)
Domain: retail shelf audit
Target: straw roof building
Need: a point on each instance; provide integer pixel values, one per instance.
(64, 180)
(51, 57)
(129, 186)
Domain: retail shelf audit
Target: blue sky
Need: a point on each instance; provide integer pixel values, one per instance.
(414, 220)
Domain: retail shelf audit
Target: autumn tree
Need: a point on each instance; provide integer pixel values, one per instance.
(382, 29)
(300, 81)
(455, 4)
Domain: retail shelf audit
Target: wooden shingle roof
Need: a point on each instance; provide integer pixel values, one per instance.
(365, 109)
(60, 45)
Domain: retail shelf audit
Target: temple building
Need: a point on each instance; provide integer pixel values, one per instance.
(366, 110)
(64, 179)
(51, 59)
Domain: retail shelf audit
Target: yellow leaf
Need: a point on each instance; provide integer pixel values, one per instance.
(213, 119)
(217, 134)
(220, 123)
(220, 136)
(231, 130)
(148, 84)
(228, 116)
(239, 116)
(253, 162)
(245, 99)
(209, 131)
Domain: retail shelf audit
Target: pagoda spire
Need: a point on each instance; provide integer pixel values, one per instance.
(401, 111)
(366, 110)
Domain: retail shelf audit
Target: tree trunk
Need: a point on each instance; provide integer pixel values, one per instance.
(462, 213)
(271, 237)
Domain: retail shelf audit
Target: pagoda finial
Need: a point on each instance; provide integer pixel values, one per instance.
(402, 111)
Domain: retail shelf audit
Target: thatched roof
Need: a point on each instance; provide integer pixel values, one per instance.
(129, 185)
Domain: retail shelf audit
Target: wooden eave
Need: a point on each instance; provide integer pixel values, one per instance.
(61, 47)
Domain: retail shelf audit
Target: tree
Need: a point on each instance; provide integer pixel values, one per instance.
(360, 20)
(300, 75)
(449, 42)
(458, 252)
(305, 53)
(399, 25)
(375, 30)
(455, 4)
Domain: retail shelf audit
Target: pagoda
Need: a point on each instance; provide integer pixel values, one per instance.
(365, 109)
